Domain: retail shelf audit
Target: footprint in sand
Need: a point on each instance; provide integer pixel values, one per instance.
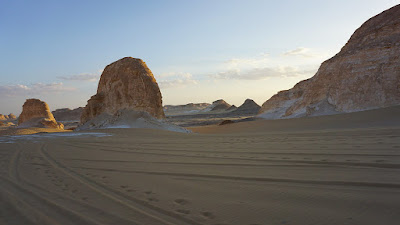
(181, 201)
(208, 215)
(183, 211)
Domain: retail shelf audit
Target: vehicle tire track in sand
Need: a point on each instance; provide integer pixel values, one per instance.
(36, 199)
(158, 215)
(46, 194)
(347, 163)
(262, 179)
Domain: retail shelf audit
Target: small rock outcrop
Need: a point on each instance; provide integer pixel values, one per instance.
(225, 122)
(11, 116)
(3, 117)
(249, 107)
(185, 109)
(219, 105)
(125, 84)
(36, 113)
(67, 114)
(364, 75)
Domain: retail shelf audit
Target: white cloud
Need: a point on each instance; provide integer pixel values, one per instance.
(254, 62)
(173, 79)
(82, 76)
(263, 73)
(301, 51)
(33, 89)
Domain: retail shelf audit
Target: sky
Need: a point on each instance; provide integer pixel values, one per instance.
(198, 51)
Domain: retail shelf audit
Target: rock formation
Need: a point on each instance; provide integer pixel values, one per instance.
(365, 74)
(232, 108)
(36, 113)
(249, 107)
(11, 116)
(185, 109)
(125, 84)
(66, 114)
(3, 117)
(219, 105)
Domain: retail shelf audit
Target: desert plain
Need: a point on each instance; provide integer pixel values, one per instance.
(338, 169)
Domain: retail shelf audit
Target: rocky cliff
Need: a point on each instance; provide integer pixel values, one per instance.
(365, 74)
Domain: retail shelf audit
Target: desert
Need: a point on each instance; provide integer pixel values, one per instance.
(252, 144)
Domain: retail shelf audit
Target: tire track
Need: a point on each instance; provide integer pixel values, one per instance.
(76, 204)
(374, 165)
(262, 179)
(155, 216)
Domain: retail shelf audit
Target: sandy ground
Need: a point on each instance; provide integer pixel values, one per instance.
(342, 169)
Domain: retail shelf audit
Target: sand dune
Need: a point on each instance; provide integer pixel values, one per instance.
(340, 169)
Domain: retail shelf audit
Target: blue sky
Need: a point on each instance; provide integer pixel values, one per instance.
(199, 51)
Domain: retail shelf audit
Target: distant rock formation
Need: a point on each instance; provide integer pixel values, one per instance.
(36, 113)
(185, 109)
(249, 107)
(3, 117)
(125, 84)
(232, 108)
(219, 105)
(365, 74)
(66, 114)
(11, 116)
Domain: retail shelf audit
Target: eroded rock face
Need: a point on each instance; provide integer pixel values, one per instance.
(36, 113)
(125, 84)
(365, 74)
(3, 117)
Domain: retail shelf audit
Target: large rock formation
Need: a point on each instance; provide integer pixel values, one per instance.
(3, 117)
(67, 114)
(249, 107)
(36, 113)
(365, 74)
(125, 84)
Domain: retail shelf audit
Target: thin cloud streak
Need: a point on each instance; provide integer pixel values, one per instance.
(33, 89)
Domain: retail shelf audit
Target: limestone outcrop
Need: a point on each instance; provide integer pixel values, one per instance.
(36, 113)
(66, 114)
(364, 75)
(11, 116)
(185, 109)
(125, 84)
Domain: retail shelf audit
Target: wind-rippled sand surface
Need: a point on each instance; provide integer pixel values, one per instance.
(327, 170)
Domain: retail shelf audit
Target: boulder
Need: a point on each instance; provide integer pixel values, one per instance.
(36, 113)
(364, 75)
(125, 84)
